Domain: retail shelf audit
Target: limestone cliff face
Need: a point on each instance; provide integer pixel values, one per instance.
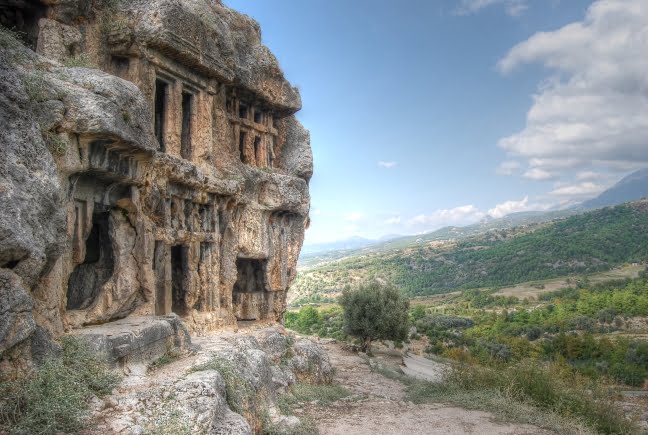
(170, 177)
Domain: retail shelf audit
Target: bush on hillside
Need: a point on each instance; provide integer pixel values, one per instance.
(542, 390)
(375, 311)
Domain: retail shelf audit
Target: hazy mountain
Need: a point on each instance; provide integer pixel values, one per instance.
(584, 243)
(345, 244)
(631, 188)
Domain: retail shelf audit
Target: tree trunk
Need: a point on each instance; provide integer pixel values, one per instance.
(366, 345)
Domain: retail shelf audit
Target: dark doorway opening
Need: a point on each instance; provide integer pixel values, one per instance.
(251, 275)
(98, 265)
(257, 149)
(159, 263)
(258, 116)
(248, 292)
(161, 96)
(242, 138)
(22, 17)
(243, 111)
(120, 66)
(185, 136)
(179, 274)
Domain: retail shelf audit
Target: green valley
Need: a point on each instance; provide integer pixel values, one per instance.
(581, 244)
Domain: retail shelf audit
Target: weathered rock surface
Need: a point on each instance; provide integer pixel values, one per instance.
(137, 340)
(150, 164)
(226, 387)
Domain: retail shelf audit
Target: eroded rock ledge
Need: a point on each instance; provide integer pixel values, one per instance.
(230, 386)
(169, 177)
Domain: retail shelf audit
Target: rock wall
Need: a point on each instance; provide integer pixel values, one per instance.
(151, 164)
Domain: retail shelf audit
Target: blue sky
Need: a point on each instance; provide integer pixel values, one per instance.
(429, 113)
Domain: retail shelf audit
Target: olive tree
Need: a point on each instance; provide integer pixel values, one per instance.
(375, 311)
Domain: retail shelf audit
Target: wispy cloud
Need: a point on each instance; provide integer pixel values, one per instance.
(393, 220)
(354, 217)
(586, 188)
(508, 167)
(387, 165)
(538, 174)
(588, 175)
(514, 8)
(454, 216)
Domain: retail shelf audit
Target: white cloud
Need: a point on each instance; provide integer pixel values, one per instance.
(538, 174)
(586, 188)
(387, 165)
(354, 216)
(508, 207)
(393, 220)
(316, 212)
(513, 8)
(455, 216)
(594, 111)
(508, 167)
(588, 175)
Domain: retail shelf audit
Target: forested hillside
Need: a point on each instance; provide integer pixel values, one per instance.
(586, 243)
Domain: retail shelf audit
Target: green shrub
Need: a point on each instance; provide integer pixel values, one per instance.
(306, 426)
(36, 86)
(170, 356)
(243, 397)
(375, 311)
(79, 61)
(552, 389)
(56, 144)
(169, 422)
(54, 397)
(240, 393)
(10, 39)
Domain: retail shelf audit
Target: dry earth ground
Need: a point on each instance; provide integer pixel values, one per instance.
(378, 406)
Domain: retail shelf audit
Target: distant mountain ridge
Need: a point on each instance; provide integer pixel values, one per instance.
(631, 188)
(350, 243)
(586, 242)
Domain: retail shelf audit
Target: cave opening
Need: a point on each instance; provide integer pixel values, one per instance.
(248, 291)
(179, 276)
(185, 136)
(120, 66)
(21, 17)
(250, 275)
(161, 96)
(98, 265)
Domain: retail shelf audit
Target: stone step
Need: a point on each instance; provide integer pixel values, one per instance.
(136, 340)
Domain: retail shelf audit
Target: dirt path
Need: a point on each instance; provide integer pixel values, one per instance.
(382, 409)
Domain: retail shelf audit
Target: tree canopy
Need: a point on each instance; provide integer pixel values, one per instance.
(375, 311)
